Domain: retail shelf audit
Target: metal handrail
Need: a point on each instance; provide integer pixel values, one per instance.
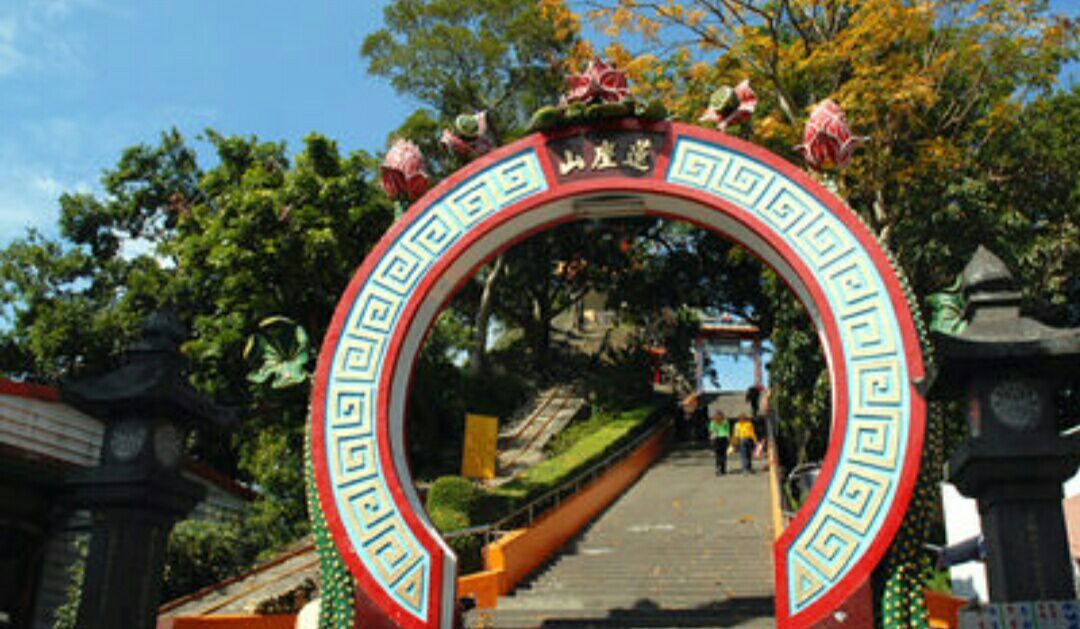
(530, 509)
(472, 530)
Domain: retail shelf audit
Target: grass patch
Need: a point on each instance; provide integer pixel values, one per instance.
(585, 444)
(455, 503)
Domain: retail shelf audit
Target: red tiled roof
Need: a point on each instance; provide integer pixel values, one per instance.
(27, 390)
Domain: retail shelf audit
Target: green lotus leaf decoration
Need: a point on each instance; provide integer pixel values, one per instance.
(282, 350)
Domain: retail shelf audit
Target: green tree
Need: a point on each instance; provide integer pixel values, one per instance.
(956, 154)
(459, 57)
(545, 275)
(942, 91)
(676, 273)
(74, 302)
(1029, 176)
(932, 86)
(259, 234)
(271, 236)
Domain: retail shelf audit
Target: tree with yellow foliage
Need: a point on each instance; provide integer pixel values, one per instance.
(942, 91)
(928, 82)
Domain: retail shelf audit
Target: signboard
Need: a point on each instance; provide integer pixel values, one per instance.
(1023, 615)
(478, 457)
(596, 154)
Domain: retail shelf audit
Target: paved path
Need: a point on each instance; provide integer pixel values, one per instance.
(682, 548)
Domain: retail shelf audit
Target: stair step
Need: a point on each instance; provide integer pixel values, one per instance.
(681, 548)
(642, 616)
(701, 585)
(704, 571)
(665, 576)
(599, 599)
(602, 603)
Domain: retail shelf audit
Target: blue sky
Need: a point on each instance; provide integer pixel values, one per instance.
(82, 79)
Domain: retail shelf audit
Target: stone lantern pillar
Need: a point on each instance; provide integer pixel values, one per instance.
(1007, 368)
(137, 492)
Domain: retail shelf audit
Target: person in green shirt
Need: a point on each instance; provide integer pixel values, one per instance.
(719, 435)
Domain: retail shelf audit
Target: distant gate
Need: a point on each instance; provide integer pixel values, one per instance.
(405, 572)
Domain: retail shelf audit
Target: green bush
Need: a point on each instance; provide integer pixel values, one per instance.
(451, 503)
(467, 549)
(623, 384)
(203, 553)
(453, 493)
(454, 503)
(446, 519)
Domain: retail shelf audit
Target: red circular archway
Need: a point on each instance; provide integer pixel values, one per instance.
(404, 571)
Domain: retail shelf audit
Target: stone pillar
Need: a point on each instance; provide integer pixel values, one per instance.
(131, 524)
(137, 492)
(1019, 499)
(1007, 369)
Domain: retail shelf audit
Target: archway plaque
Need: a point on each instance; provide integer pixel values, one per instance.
(404, 571)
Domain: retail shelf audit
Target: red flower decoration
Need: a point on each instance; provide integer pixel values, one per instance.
(731, 108)
(403, 173)
(599, 83)
(469, 135)
(827, 138)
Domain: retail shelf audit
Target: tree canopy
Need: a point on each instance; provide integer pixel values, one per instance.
(259, 234)
(460, 56)
(931, 85)
(967, 143)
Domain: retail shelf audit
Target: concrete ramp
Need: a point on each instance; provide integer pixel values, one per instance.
(521, 445)
(682, 548)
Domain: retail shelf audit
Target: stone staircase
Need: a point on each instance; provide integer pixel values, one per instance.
(682, 548)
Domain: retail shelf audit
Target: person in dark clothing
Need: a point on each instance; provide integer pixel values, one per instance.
(719, 436)
(699, 421)
(753, 397)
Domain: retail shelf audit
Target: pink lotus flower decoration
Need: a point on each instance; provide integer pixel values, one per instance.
(599, 83)
(469, 135)
(729, 107)
(827, 138)
(403, 173)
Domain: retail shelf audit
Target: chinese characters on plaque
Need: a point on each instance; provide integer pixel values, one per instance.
(596, 154)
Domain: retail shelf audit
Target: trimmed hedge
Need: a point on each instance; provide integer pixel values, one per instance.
(451, 502)
(453, 493)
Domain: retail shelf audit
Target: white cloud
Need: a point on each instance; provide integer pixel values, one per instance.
(40, 159)
(26, 201)
(32, 40)
(38, 163)
(10, 57)
(47, 185)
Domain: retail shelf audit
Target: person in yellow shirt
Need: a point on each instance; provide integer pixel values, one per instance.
(745, 440)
